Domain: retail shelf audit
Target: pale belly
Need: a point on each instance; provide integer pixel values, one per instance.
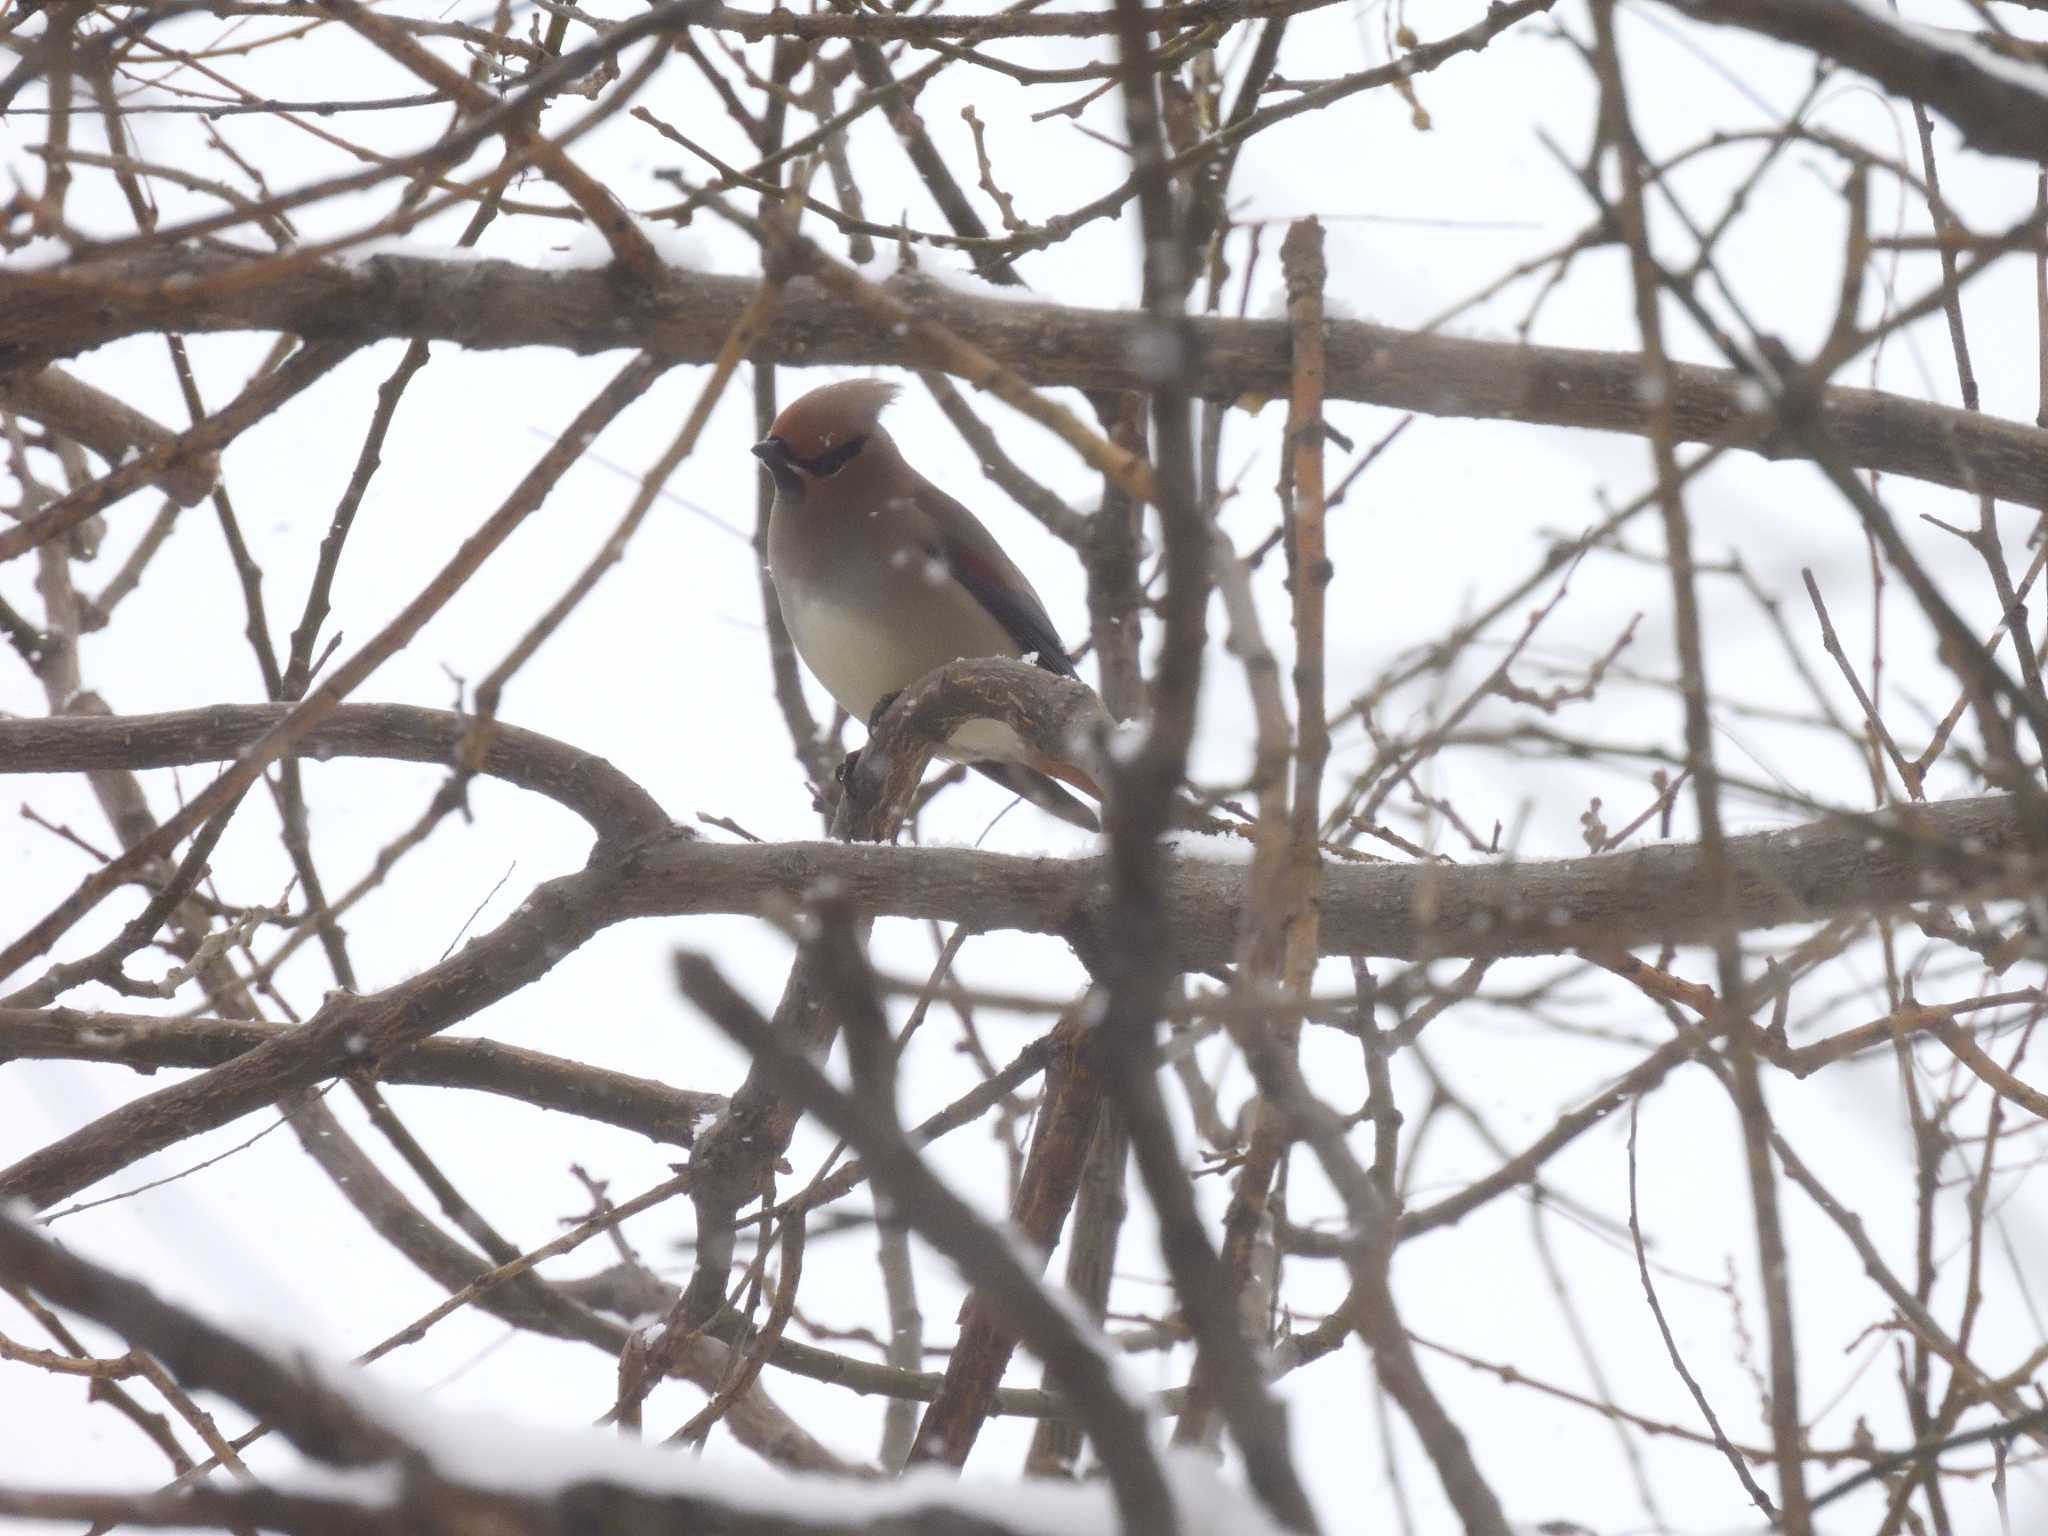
(859, 667)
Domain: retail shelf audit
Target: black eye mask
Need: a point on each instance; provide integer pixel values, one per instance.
(833, 459)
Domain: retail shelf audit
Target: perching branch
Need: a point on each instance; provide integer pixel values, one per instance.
(1059, 717)
(1846, 863)
(1809, 873)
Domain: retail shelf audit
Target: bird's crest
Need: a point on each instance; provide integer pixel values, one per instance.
(830, 415)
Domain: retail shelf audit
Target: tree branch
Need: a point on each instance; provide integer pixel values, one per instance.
(1076, 1360)
(145, 1044)
(1843, 863)
(616, 808)
(1998, 105)
(1051, 714)
(1654, 895)
(347, 1031)
(196, 1352)
(110, 427)
(686, 316)
(597, 1482)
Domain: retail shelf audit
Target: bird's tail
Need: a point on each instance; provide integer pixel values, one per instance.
(1041, 791)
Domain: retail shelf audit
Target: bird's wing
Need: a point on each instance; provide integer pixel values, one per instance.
(979, 564)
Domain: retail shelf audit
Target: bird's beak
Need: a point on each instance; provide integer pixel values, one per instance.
(774, 453)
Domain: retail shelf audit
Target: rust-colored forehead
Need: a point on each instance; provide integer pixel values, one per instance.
(831, 414)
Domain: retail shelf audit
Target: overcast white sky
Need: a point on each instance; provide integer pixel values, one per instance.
(663, 673)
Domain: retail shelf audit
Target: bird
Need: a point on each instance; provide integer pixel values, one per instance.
(882, 577)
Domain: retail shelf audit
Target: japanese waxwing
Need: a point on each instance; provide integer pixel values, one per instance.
(881, 577)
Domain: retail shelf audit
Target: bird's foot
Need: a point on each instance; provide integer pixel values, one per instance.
(882, 707)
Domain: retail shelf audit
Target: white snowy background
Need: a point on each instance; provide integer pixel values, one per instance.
(664, 674)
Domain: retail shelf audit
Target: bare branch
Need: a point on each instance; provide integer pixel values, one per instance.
(111, 428)
(492, 304)
(2000, 106)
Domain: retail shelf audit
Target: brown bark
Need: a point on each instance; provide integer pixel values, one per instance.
(686, 315)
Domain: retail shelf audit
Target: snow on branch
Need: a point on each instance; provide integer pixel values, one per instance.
(1998, 105)
(385, 1461)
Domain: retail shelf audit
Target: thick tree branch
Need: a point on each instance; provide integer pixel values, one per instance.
(755, 25)
(1954, 850)
(1653, 895)
(435, 1484)
(616, 808)
(686, 315)
(1836, 864)
(1998, 105)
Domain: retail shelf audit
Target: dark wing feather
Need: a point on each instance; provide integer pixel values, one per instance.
(1041, 791)
(979, 564)
(1018, 612)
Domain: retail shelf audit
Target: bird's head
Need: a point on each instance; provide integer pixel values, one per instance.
(820, 435)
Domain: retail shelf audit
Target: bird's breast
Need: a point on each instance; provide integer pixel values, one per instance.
(852, 652)
(869, 620)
